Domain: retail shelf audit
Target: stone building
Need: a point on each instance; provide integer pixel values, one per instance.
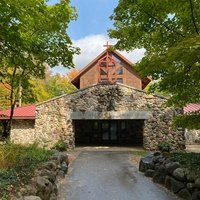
(110, 108)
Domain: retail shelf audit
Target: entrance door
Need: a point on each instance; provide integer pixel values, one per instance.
(109, 131)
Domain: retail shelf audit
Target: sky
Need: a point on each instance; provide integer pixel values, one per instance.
(89, 31)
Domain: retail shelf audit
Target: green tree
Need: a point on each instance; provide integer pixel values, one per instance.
(58, 85)
(31, 35)
(169, 31)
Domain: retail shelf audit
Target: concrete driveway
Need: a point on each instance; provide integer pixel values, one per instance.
(108, 175)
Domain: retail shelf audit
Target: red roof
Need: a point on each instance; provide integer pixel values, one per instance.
(192, 107)
(23, 112)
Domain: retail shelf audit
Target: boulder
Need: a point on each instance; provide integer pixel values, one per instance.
(64, 167)
(44, 187)
(176, 186)
(60, 157)
(196, 195)
(146, 163)
(50, 175)
(190, 186)
(173, 185)
(179, 174)
(190, 175)
(149, 173)
(28, 190)
(197, 183)
(185, 194)
(159, 176)
(171, 166)
(50, 165)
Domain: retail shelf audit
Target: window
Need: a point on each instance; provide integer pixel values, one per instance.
(103, 72)
(119, 80)
(120, 71)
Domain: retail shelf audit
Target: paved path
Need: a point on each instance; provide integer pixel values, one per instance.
(107, 175)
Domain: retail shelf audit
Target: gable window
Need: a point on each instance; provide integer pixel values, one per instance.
(119, 80)
(120, 71)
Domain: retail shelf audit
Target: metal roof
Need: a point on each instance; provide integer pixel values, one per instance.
(23, 112)
(192, 107)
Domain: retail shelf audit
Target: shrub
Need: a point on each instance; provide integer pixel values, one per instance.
(60, 145)
(17, 163)
(164, 146)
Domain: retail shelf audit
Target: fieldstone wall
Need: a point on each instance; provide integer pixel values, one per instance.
(23, 131)
(54, 118)
(165, 170)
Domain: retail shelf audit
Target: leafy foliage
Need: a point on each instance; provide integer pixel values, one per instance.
(164, 146)
(17, 164)
(188, 160)
(33, 35)
(60, 145)
(169, 31)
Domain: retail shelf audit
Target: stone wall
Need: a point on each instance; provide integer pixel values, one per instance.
(23, 131)
(54, 117)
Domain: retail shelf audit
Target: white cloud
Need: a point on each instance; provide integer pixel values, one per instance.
(91, 46)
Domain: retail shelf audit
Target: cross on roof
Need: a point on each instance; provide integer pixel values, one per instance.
(107, 45)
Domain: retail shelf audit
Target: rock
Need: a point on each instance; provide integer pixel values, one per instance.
(50, 175)
(64, 167)
(28, 190)
(60, 157)
(190, 175)
(149, 173)
(32, 198)
(156, 153)
(196, 195)
(185, 194)
(168, 182)
(171, 166)
(173, 185)
(197, 183)
(179, 174)
(190, 186)
(53, 196)
(159, 176)
(146, 163)
(44, 187)
(50, 165)
(176, 186)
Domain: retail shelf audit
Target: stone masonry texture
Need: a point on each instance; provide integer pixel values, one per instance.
(53, 118)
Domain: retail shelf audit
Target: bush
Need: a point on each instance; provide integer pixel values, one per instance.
(164, 146)
(188, 160)
(17, 163)
(60, 145)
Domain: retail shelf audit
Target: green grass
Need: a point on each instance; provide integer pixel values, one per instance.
(17, 163)
(188, 160)
(139, 153)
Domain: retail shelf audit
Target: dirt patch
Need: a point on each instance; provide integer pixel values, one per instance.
(135, 160)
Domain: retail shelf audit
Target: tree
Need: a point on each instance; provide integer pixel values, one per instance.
(31, 35)
(58, 85)
(169, 31)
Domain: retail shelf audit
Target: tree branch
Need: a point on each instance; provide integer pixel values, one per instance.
(192, 15)
(161, 23)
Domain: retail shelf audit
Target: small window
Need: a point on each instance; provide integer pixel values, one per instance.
(103, 72)
(120, 71)
(119, 80)
(103, 80)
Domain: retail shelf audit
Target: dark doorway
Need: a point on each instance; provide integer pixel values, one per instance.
(108, 132)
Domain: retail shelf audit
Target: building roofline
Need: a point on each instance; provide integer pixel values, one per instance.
(96, 59)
